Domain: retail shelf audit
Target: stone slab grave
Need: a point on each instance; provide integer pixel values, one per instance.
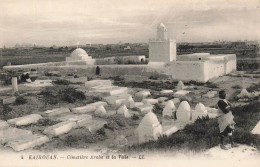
(60, 128)
(57, 111)
(110, 91)
(145, 108)
(149, 128)
(138, 104)
(181, 93)
(150, 101)
(162, 99)
(93, 83)
(27, 142)
(84, 109)
(3, 125)
(25, 120)
(166, 91)
(143, 94)
(7, 100)
(73, 117)
(9, 134)
(78, 80)
(3, 89)
(100, 111)
(123, 111)
(118, 100)
(93, 125)
(210, 94)
(171, 126)
(39, 83)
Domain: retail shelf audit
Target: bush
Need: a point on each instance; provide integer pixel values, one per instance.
(157, 109)
(54, 95)
(135, 117)
(20, 100)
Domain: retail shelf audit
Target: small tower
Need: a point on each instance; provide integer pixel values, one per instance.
(161, 32)
(161, 50)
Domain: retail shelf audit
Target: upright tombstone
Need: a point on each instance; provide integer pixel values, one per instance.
(184, 112)
(169, 109)
(14, 84)
(180, 86)
(123, 111)
(199, 112)
(149, 128)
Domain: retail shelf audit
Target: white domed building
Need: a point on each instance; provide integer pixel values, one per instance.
(149, 128)
(80, 55)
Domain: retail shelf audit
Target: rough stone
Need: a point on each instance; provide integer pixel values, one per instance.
(170, 131)
(27, 142)
(25, 120)
(118, 100)
(123, 111)
(143, 94)
(166, 91)
(39, 83)
(57, 111)
(60, 128)
(101, 111)
(149, 128)
(184, 112)
(9, 134)
(84, 109)
(150, 101)
(99, 103)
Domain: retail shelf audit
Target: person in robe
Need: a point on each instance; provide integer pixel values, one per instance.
(225, 120)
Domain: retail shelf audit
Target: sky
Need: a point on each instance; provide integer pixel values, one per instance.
(68, 22)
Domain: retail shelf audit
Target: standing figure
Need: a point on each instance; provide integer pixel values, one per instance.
(225, 120)
(97, 70)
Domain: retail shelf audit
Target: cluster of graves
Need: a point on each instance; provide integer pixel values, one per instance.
(115, 101)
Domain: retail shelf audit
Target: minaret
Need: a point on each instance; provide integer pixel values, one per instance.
(161, 50)
(161, 32)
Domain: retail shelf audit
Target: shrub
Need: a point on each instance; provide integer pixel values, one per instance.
(54, 95)
(61, 82)
(101, 131)
(20, 100)
(236, 87)
(135, 117)
(157, 109)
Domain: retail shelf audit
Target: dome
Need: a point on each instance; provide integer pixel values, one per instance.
(184, 107)
(78, 52)
(161, 25)
(200, 108)
(170, 105)
(149, 119)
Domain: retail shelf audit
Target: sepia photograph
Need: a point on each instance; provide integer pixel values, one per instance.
(129, 83)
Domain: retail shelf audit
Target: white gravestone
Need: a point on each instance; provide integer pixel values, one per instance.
(184, 112)
(169, 109)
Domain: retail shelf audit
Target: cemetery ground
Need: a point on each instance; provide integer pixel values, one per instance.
(69, 91)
